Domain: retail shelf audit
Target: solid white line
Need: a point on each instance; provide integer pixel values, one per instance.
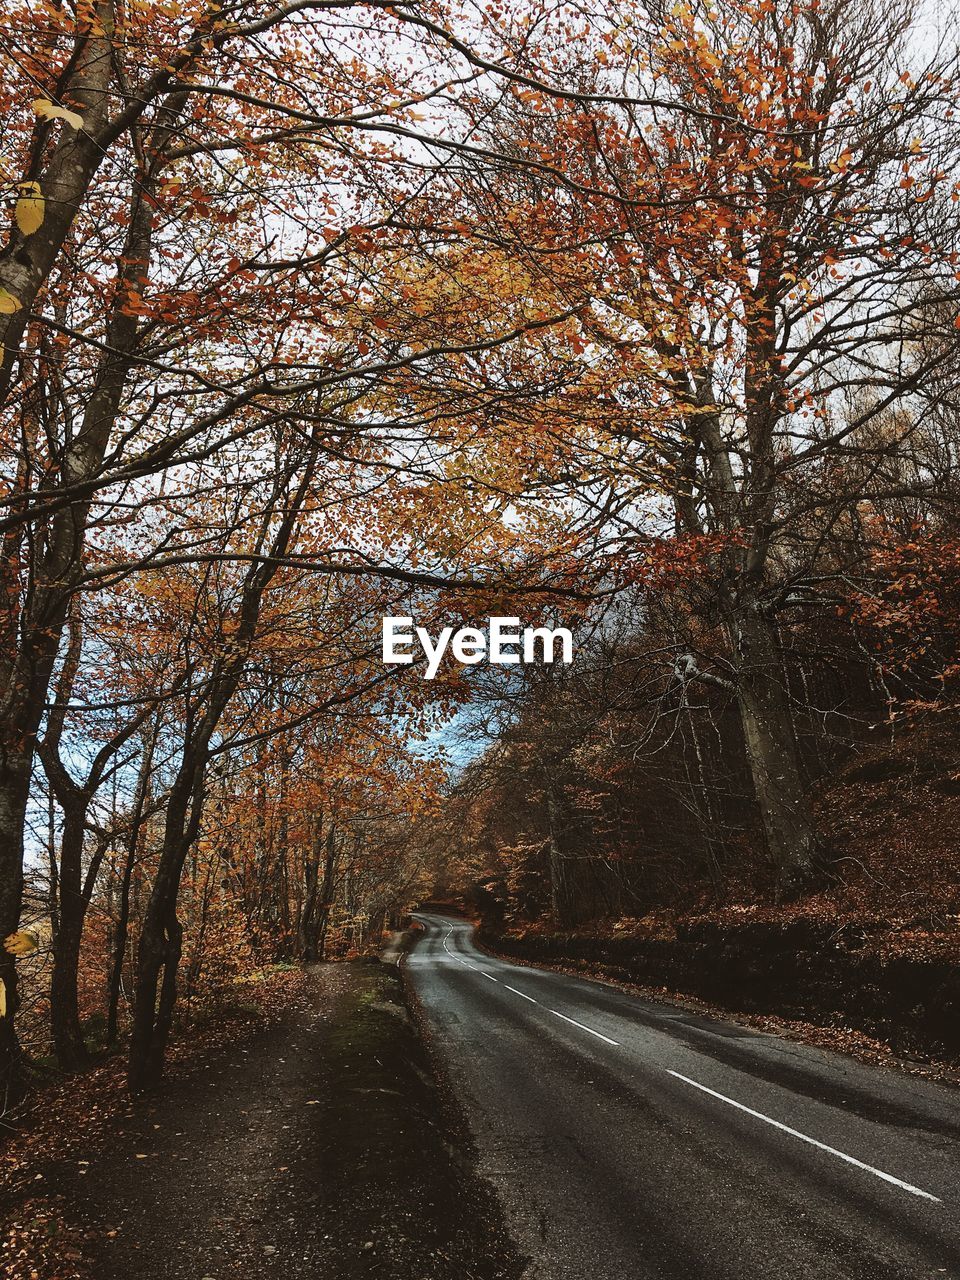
(822, 1146)
(522, 994)
(574, 1022)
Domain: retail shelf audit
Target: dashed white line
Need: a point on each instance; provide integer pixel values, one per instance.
(522, 994)
(556, 1012)
(795, 1133)
(721, 1097)
(589, 1030)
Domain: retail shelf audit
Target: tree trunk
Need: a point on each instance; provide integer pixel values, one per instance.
(554, 854)
(31, 641)
(14, 791)
(326, 890)
(68, 1039)
(772, 753)
(307, 925)
(122, 927)
(161, 936)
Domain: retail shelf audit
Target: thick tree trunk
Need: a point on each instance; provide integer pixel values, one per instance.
(772, 753)
(31, 641)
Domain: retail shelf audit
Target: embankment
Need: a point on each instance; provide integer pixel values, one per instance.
(892, 982)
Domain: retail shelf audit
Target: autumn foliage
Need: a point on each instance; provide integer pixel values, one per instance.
(643, 322)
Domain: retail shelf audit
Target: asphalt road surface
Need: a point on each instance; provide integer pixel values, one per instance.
(632, 1139)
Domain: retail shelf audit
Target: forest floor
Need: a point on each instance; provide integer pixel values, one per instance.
(319, 1142)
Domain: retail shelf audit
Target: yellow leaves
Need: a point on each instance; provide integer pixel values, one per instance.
(8, 303)
(23, 943)
(30, 208)
(48, 110)
(3, 999)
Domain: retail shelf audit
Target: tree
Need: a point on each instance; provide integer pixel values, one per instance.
(152, 318)
(762, 278)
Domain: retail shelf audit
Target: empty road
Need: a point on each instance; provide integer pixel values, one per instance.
(632, 1139)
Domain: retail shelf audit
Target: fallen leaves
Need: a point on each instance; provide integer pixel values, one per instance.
(76, 1123)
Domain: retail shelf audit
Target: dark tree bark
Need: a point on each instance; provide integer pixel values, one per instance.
(307, 924)
(65, 1026)
(327, 890)
(31, 637)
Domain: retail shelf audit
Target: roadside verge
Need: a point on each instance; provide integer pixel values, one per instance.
(315, 1145)
(867, 991)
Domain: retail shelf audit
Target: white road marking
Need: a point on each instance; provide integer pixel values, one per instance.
(466, 964)
(522, 994)
(722, 1097)
(590, 1030)
(822, 1146)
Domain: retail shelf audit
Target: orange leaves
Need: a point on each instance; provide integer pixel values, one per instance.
(134, 305)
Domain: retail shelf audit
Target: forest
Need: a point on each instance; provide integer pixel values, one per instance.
(640, 319)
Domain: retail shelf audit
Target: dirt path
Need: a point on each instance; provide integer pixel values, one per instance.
(314, 1148)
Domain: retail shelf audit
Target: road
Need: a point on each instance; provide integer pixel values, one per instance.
(632, 1139)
